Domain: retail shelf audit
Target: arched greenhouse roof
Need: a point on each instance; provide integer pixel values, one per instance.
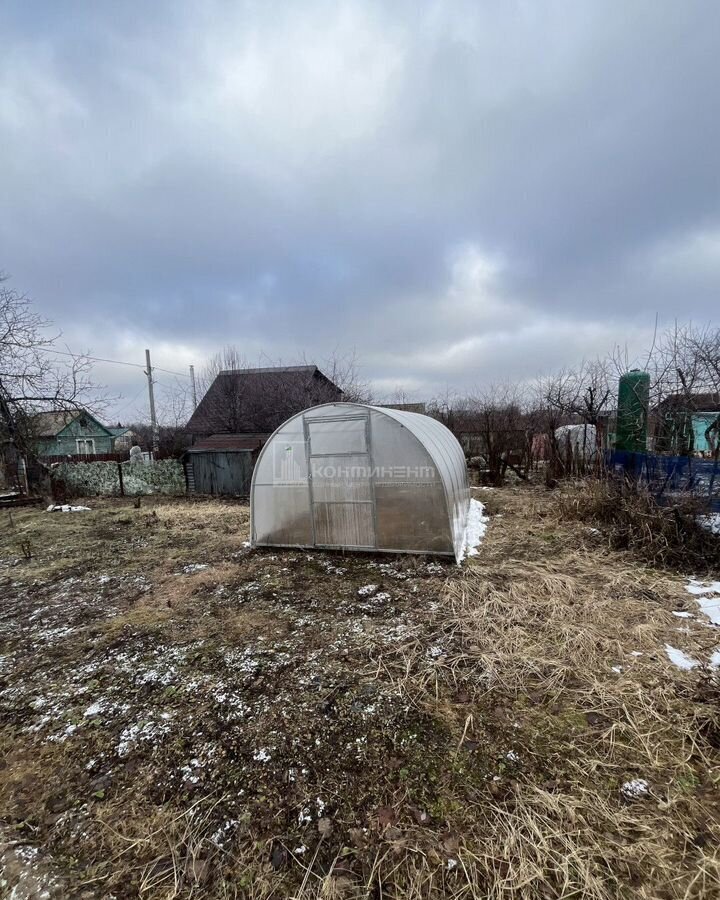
(355, 476)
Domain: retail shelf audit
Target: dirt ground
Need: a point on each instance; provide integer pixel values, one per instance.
(181, 716)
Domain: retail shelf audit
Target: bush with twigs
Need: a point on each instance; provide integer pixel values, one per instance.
(633, 519)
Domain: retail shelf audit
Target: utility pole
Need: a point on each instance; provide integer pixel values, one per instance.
(153, 417)
(194, 389)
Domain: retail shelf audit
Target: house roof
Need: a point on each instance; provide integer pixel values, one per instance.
(228, 442)
(407, 407)
(50, 424)
(257, 401)
(706, 402)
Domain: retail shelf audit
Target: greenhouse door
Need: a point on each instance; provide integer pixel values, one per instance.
(341, 483)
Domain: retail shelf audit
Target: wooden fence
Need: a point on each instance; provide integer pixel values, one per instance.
(98, 457)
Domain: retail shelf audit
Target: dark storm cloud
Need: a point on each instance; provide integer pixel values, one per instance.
(461, 191)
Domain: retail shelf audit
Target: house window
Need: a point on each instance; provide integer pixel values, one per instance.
(85, 445)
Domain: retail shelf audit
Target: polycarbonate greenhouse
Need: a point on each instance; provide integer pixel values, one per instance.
(355, 477)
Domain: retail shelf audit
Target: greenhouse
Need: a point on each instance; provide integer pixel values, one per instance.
(355, 477)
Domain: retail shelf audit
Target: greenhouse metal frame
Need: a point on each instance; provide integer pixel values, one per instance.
(350, 476)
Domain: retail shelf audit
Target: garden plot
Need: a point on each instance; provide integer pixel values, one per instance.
(183, 716)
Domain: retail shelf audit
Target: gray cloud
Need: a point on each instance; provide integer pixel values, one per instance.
(463, 192)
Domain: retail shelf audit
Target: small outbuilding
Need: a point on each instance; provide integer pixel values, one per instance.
(355, 477)
(221, 465)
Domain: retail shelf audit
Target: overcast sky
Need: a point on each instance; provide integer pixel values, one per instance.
(462, 192)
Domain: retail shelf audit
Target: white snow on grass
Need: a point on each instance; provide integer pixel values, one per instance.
(715, 659)
(367, 589)
(711, 607)
(682, 614)
(192, 568)
(680, 659)
(635, 789)
(65, 507)
(712, 522)
(475, 529)
(707, 596)
(697, 588)
(304, 816)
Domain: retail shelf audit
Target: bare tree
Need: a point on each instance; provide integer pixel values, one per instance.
(683, 367)
(451, 409)
(344, 371)
(585, 392)
(706, 345)
(33, 379)
(504, 430)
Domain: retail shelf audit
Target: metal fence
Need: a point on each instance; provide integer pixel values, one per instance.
(671, 477)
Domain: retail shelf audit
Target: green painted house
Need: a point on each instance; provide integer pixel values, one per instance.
(73, 432)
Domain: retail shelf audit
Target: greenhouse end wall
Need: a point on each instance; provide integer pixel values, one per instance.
(355, 477)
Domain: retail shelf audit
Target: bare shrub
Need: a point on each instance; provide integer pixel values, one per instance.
(634, 520)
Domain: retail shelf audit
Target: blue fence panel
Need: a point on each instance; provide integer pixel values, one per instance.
(666, 476)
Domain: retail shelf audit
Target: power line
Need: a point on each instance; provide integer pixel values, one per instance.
(129, 403)
(116, 362)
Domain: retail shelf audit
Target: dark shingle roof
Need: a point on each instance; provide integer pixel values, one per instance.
(709, 402)
(407, 407)
(257, 401)
(228, 442)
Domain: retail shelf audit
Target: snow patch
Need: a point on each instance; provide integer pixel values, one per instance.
(475, 529)
(680, 659)
(707, 596)
(634, 789)
(304, 817)
(192, 568)
(65, 507)
(711, 523)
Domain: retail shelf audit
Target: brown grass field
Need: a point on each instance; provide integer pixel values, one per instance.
(181, 716)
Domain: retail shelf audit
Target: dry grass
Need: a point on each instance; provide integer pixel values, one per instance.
(499, 710)
(546, 640)
(632, 519)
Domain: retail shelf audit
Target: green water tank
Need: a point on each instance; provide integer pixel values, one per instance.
(632, 415)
